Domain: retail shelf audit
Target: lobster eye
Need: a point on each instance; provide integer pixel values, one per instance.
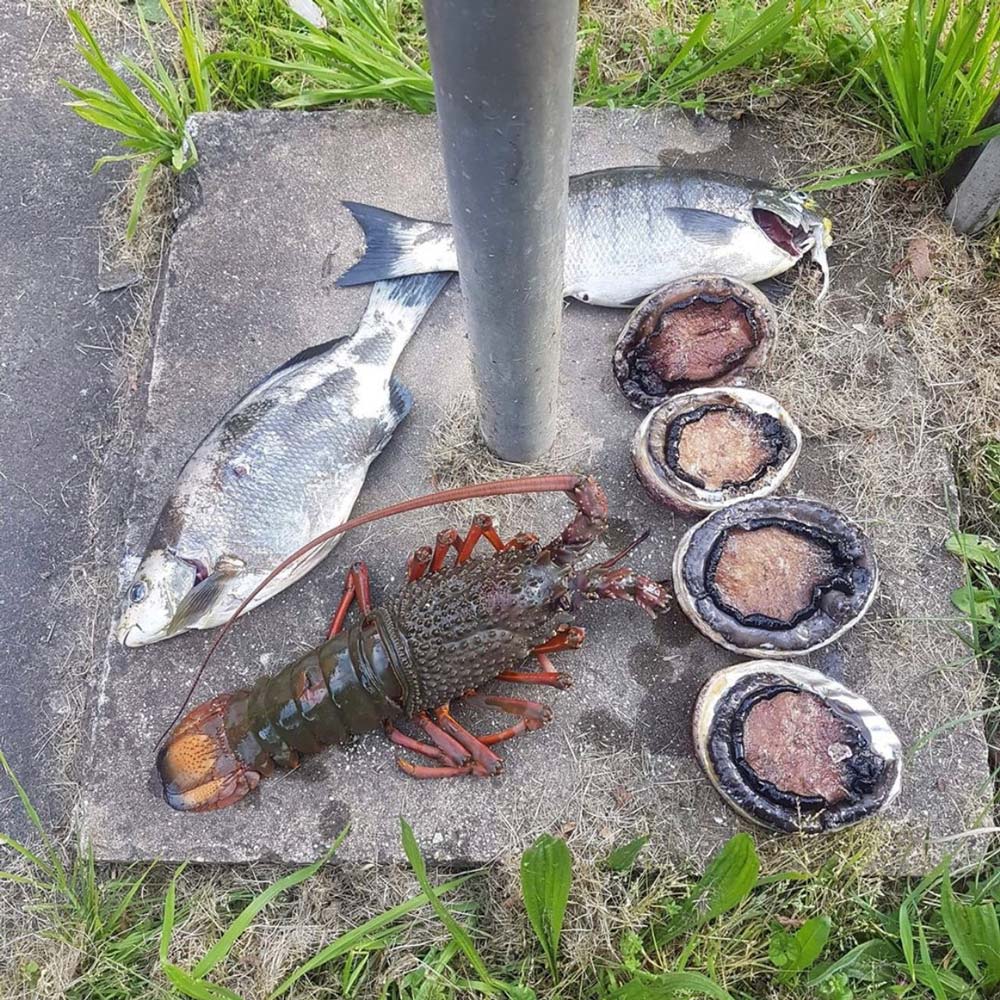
(137, 593)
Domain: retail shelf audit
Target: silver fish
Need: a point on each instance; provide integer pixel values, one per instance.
(283, 465)
(630, 230)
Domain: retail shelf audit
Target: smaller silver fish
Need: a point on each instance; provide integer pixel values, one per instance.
(629, 231)
(283, 465)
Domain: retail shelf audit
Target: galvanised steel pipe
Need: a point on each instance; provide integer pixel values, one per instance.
(503, 81)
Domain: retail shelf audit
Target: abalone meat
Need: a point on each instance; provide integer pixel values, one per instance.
(704, 330)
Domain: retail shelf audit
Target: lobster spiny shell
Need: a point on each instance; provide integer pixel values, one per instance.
(466, 624)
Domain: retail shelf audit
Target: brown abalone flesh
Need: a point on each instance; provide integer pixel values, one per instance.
(775, 576)
(706, 448)
(705, 330)
(794, 750)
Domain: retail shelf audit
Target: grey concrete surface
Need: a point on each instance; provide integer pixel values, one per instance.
(54, 393)
(248, 282)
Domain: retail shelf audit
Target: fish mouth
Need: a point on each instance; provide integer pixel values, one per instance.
(127, 636)
(799, 238)
(794, 240)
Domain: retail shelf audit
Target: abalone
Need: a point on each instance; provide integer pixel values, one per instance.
(705, 330)
(791, 749)
(775, 576)
(706, 448)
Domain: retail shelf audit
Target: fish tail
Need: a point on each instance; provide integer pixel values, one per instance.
(396, 245)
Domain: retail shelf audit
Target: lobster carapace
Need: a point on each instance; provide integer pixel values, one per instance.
(451, 629)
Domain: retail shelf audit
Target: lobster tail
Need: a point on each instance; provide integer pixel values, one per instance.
(199, 769)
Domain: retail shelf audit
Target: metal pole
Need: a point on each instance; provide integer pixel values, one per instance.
(503, 81)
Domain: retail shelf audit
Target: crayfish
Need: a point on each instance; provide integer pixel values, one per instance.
(451, 629)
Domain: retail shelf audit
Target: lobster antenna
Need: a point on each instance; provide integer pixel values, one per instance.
(499, 487)
(619, 556)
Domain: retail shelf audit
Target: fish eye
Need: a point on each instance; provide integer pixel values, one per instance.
(138, 592)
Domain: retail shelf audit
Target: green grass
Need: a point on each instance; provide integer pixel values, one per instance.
(927, 69)
(802, 920)
(363, 53)
(933, 78)
(149, 111)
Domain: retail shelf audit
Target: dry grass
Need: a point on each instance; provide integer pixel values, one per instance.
(458, 456)
(908, 360)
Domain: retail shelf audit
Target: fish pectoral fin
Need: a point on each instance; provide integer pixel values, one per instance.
(709, 228)
(203, 597)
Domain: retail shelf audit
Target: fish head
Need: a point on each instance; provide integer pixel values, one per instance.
(794, 223)
(161, 583)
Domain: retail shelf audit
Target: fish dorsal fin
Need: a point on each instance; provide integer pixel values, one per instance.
(203, 597)
(306, 354)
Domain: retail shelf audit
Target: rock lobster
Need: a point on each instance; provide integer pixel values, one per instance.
(451, 629)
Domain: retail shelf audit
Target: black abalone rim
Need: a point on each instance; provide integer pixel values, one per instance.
(834, 610)
(760, 799)
(716, 288)
(775, 435)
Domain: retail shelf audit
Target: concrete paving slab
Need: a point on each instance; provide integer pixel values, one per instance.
(248, 282)
(55, 388)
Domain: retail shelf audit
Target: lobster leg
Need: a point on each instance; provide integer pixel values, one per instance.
(589, 524)
(488, 761)
(450, 746)
(482, 527)
(534, 714)
(425, 560)
(409, 743)
(418, 563)
(522, 540)
(547, 674)
(568, 637)
(357, 587)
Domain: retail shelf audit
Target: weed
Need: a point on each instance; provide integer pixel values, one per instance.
(934, 78)
(678, 63)
(546, 874)
(358, 55)
(246, 77)
(153, 125)
(939, 938)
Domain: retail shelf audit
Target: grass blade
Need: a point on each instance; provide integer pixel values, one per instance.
(622, 858)
(222, 947)
(546, 873)
(457, 931)
(355, 937)
(666, 986)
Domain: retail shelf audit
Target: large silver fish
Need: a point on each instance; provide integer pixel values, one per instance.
(283, 465)
(630, 230)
